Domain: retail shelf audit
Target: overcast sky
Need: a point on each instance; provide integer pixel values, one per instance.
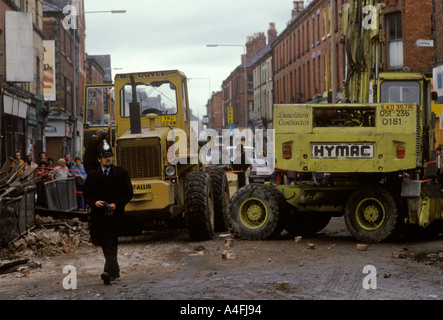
(173, 34)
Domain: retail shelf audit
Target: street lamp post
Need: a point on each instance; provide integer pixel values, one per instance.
(244, 71)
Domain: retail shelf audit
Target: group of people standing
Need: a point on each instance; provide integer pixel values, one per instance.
(46, 169)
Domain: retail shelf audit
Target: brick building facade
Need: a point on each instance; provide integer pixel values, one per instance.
(22, 112)
(407, 21)
(437, 27)
(302, 52)
(94, 70)
(63, 131)
(215, 111)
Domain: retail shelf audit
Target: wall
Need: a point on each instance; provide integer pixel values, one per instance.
(302, 55)
(438, 31)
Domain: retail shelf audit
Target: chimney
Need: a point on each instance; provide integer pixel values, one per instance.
(298, 8)
(272, 32)
(255, 43)
(249, 46)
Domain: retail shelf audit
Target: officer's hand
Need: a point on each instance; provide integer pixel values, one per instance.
(100, 204)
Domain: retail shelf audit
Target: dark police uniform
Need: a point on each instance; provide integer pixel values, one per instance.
(104, 227)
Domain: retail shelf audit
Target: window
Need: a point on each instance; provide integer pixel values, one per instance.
(395, 41)
(250, 83)
(400, 92)
(156, 97)
(99, 106)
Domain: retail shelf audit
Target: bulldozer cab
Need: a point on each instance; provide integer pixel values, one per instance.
(98, 110)
(151, 100)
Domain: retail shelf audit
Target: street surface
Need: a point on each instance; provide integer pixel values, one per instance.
(165, 265)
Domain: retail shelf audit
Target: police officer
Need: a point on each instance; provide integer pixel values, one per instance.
(93, 143)
(107, 190)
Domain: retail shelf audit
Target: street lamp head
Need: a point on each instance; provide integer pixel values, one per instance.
(118, 11)
(212, 45)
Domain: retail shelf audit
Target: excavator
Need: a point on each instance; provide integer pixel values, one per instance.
(375, 146)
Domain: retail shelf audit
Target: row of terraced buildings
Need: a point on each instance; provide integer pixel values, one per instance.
(295, 65)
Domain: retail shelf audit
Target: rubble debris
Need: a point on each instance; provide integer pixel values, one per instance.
(224, 235)
(399, 255)
(10, 266)
(49, 238)
(298, 239)
(310, 246)
(384, 275)
(361, 247)
(283, 285)
(17, 190)
(199, 248)
(229, 243)
(227, 255)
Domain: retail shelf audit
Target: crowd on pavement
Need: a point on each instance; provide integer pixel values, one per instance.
(48, 170)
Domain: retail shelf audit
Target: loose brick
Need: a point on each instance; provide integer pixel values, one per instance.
(362, 247)
(283, 285)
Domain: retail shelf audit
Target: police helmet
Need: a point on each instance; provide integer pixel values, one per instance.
(104, 150)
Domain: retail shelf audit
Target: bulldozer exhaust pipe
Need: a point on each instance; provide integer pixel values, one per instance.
(134, 110)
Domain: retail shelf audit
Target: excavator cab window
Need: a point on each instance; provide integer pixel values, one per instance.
(400, 92)
(158, 97)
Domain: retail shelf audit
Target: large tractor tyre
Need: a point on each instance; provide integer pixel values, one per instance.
(371, 214)
(220, 188)
(256, 212)
(199, 206)
(305, 224)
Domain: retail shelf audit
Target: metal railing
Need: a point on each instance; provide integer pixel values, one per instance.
(60, 195)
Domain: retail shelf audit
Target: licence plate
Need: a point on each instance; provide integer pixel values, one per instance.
(397, 107)
(169, 121)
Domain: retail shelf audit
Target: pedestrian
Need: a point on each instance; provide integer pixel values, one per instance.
(107, 190)
(240, 166)
(43, 172)
(69, 162)
(78, 171)
(17, 163)
(28, 161)
(42, 157)
(90, 157)
(291, 176)
(50, 162)
(61, 171)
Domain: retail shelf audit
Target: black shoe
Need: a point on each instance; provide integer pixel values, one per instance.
(106, 277)
(116, 276)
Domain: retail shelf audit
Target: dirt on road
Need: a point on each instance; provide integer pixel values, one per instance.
(165, 265)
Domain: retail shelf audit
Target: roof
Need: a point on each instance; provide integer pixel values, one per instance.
(256, 57)
(50, 7)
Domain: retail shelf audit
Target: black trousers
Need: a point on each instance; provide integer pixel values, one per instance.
(110, 247)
